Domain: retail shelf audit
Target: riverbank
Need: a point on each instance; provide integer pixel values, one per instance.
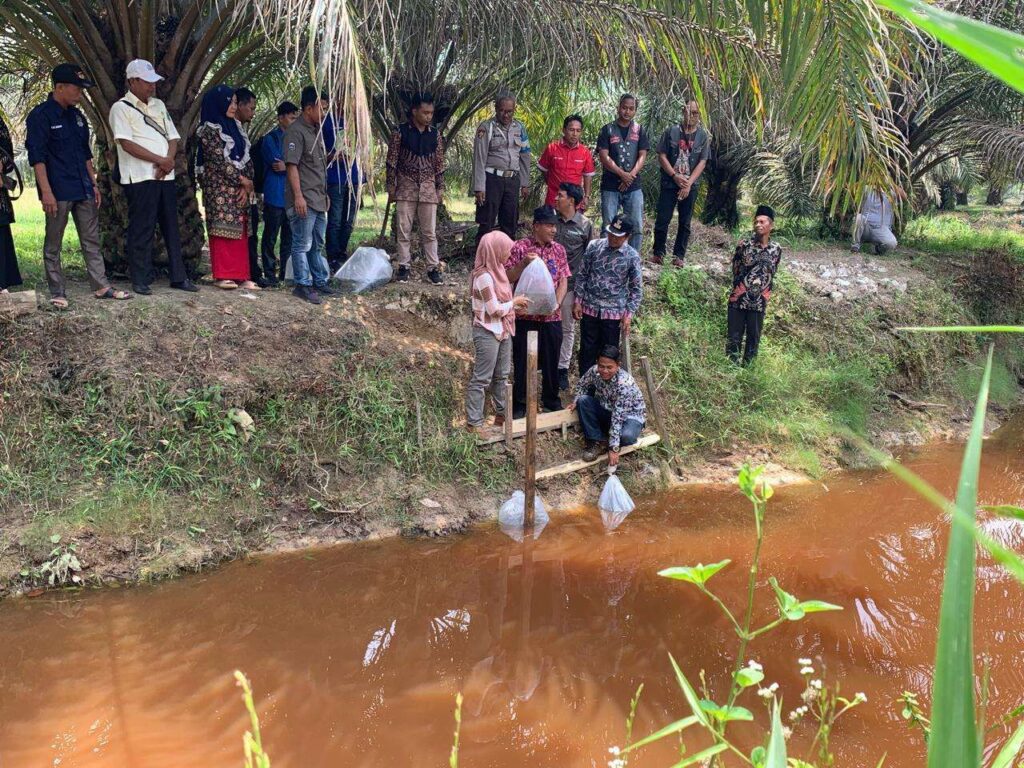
(165, 434)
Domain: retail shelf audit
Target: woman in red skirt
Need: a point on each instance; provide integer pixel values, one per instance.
(225, 175)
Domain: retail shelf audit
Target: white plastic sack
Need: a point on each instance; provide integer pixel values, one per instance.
(366, 269)
(289, 273)
(510, 516)
(615, 503)
(535, 283)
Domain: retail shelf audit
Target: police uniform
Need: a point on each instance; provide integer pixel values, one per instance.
(501, 170)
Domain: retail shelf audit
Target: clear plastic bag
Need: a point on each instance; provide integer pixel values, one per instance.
(535, 283)
(289, 271)
(366, 269)
(510, 516)
(615, 503)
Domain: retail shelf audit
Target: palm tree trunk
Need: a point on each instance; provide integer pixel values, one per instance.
(995, 194)
(721, 206)
(947, 197)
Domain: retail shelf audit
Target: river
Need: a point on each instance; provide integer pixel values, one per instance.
(357, 652)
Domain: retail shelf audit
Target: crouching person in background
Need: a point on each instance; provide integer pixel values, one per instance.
(611, 407)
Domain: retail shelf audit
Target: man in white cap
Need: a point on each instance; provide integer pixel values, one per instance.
(146, 145)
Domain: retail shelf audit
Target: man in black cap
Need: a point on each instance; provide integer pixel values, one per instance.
(753, 272)
(57, 139)
(541, 245)
(609, 289)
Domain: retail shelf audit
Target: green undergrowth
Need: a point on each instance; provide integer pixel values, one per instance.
(968, 231)
(823, 367)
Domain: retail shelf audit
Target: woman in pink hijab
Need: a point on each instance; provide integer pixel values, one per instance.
(494, 324)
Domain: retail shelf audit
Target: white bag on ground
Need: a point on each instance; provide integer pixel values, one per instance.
(289, 272)
(366, 269)
(615, 503)
(535, 283)
(510, 516)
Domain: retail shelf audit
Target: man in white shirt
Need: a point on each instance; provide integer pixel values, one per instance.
(874, 223)
(146, 144)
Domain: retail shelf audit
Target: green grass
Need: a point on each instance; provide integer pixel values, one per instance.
(971, 229)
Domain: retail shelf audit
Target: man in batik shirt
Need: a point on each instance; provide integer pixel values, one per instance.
(753, 272)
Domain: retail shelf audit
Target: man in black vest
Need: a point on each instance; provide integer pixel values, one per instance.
(682, 154)
(622, 147)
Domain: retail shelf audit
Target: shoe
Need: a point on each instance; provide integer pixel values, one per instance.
(142, 290)
(263, 282)
(226, 285)
(403, 275)
(499, 421)
(435, 277)
(563, 379)
(325, 290)
(678, 262)
(185, 285)
(854, 249)
(519, 413)
(306, 293)
(656, 259)
(272, 282)
(591, 450)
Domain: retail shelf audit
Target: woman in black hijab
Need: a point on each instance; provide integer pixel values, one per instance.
(9, 180)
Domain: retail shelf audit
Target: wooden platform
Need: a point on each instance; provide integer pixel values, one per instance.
(546, 422)
(645, 441)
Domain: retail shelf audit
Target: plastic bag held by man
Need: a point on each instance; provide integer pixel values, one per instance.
(535, 283)
(366, 269)
(614, 498)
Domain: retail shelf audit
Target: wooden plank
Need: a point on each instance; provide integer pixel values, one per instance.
(646, 441)
(16, 304)
(509, 425)
(546, 422)
(530, 486)
(652, 393)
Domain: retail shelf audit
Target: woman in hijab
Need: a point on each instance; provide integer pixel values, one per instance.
(225, 175)
(494, 325)
(9, 274)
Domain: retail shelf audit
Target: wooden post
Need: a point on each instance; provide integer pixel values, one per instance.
(531, 432)
(652, 393)
(509, 409)
(627, 353)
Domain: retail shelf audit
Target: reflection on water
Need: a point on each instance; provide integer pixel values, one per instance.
(357, 653)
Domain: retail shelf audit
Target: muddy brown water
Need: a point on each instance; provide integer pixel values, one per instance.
(357, 652)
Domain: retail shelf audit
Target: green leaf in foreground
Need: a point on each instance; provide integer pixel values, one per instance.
(963, 328)
(698, 758)
(1005, 510)
(1008, 754)
(776, 753)
(793, 609)
(661, 733)
(724, 714)
(996, 50)
(748, 676)
(954, 738)
(695, 574)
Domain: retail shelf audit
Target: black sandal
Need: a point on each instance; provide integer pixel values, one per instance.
(110, 293)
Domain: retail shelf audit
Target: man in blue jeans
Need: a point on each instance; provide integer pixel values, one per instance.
(622, 147)
(611, 407)
(306, 198)
(343, 184)
(275, 219)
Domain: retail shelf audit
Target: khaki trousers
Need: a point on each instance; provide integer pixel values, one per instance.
(406, 211)
(87, 221)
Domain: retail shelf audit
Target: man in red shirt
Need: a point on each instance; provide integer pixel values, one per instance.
(568, 159)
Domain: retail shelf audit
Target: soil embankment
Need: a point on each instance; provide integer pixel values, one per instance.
(144, 438)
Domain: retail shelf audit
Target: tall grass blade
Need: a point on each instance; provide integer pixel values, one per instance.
(996, 50)
(776, 753)
(954, 740)
(963, 328)
(1008, 754)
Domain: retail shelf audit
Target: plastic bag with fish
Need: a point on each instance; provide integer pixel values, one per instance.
(535, 283)
(615, 503)
(510, 516)
(364, 270)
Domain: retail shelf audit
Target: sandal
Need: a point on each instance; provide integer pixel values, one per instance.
(110, 293)
(227, 285)
(249, 285)
(59, 302)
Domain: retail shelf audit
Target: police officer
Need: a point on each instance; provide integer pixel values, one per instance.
(501, 169)
(57, 138)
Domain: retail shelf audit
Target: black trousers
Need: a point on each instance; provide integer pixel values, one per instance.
(667, 203)
(255, 273)
(595, 334)
(275, 223)
(151, 203)
(742, 322)
(501, 205)
(549, 344)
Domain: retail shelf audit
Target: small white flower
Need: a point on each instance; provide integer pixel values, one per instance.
(755, 666)
(860, 697)
(773, 687)
(807, 670)
(786, 731)
(614, 750)
(618, 762)
(794, 714)
(809, 695)
(764, 693)
(805, 662)
(816, 684)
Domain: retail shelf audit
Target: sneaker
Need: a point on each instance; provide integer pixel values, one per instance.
(142, 290)
(657, 259)
(325, 290)
(186, 285)
(591, 450)
(403, 274)
(563, 378)
(306, 293)
(854, 249)
(435, 277)
(272, 282)
(262, 282)
(678, 263)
